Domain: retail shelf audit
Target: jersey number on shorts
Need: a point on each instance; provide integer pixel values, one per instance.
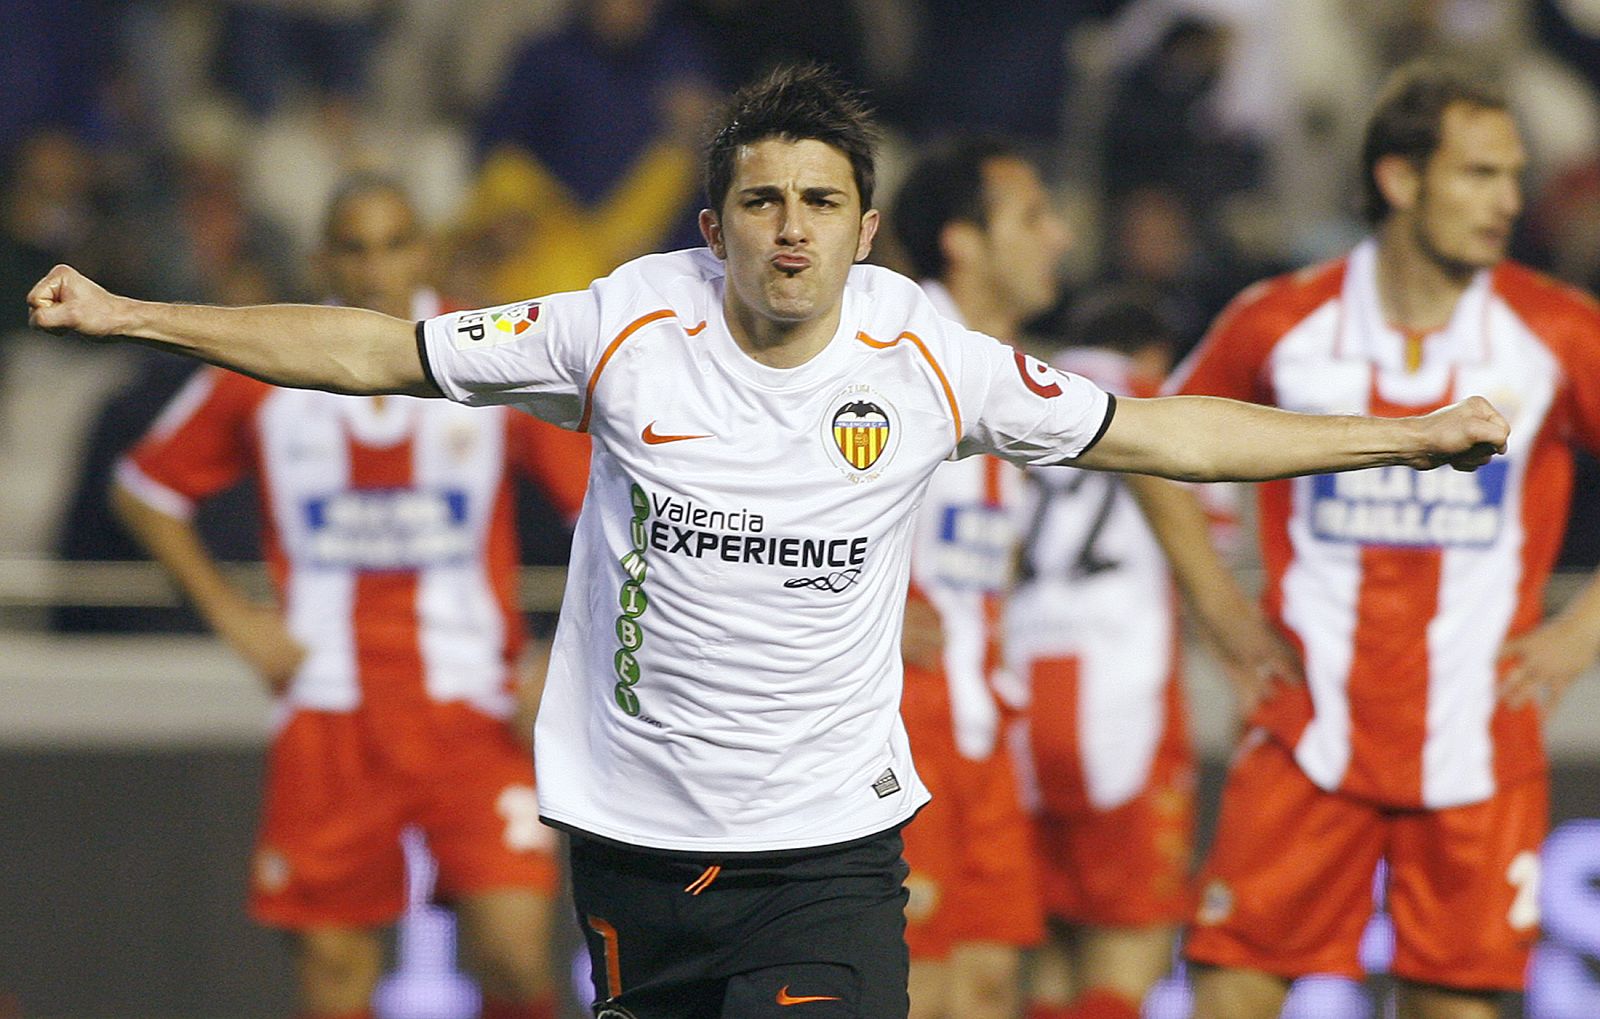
(519, 805)
(1523, 874)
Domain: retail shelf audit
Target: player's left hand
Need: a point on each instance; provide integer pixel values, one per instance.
(1464, 435)
(1538, 666)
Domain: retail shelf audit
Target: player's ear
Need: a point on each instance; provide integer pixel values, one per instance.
(869, 230)
(711, 230)
(961, 242)
(1399, 180)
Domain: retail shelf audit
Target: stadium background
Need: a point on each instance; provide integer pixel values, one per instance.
(183, 149)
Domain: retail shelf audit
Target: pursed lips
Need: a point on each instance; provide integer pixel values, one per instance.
(790, 263)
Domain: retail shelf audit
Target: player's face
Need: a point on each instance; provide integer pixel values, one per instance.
(1470, 190)
(374, 255)
(1025, 238)
(789, 229)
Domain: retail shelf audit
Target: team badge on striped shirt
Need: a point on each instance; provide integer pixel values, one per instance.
(861, 430)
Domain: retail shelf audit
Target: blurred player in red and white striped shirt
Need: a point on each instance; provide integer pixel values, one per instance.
(1413, 597)
(977, 225)
(393, 652)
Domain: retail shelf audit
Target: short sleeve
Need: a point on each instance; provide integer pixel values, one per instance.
(1022, 409)
(201, 444)
(1232, 359)
(535, 355)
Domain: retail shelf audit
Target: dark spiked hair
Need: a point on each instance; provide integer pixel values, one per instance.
(1409, 120)
(795, 103)
(946, 186)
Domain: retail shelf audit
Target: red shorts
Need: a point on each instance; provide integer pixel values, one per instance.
(972, 875)
(329, 852)
(1288, 887)
(1126, 866)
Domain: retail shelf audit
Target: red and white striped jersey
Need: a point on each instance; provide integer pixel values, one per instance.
(1094, 586)
(962, 549)
(1400, 586)
(388, 528)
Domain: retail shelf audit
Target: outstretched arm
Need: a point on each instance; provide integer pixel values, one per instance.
(1202, 438)
(342, 350)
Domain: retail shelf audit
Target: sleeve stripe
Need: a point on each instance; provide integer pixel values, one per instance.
(422, 355)
(1111, 412)
(152, 492)
(949, 393)
(631, 328)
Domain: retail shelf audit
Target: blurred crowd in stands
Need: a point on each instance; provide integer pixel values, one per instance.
(184, 149)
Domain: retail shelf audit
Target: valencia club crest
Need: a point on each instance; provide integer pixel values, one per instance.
(861, 426)
(861, 429)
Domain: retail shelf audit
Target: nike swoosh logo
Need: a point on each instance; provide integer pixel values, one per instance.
(652, 439)
(785, 998)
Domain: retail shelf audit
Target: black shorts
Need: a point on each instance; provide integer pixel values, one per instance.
(815, 934)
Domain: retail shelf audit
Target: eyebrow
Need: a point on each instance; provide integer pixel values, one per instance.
(773, 191)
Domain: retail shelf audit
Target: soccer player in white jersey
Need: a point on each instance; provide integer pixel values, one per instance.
(719, 728)
(392, 652)
(1414, 598)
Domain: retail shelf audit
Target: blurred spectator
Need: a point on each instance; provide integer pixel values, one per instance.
(1571, 30)
(997, 67)
(1155, 245)
(48, 213)
(272, 48)
(1164, 129)
(750, 37)
(51, 56)
(593, 101)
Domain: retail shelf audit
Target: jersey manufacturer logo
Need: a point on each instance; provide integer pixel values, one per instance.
(886, 784)
(862, 432)
(785, 998)
(652, 438)
(613, 1012)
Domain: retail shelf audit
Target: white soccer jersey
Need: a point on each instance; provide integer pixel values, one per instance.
(1094, 586)
(726, 672)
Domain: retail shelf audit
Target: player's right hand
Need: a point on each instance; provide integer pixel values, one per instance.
(258, 634)
(68, 301)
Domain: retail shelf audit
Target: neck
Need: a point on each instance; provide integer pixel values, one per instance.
(982, 307)
(1418, 290)
(776, 343)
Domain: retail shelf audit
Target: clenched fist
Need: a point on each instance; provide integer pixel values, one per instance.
(68, 301)
(1464, 435)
